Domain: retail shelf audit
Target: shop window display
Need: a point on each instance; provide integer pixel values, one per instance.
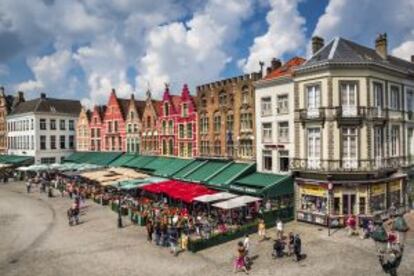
(313, 203)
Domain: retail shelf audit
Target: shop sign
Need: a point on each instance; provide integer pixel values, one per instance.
(378, 189)
(395, 186)
(313, 190)
(244, 189)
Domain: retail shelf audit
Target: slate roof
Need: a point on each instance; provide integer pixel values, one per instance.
(49, 105)
(341, 50)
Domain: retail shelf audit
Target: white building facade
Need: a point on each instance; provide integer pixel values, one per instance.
(43, 128)
(275, 118)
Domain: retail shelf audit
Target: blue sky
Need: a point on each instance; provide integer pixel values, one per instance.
(81, 49)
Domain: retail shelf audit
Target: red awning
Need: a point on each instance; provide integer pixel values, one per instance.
(179, 190)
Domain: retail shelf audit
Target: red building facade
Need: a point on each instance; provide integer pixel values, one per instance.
(177, 123)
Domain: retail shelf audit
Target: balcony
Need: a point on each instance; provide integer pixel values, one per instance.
(346, 165)
(349, 114)
(377, 113)
(312, 115)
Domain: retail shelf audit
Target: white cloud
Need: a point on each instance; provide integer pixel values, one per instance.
(405, 50)
(194, 51)
(284, 35)
(361, 21)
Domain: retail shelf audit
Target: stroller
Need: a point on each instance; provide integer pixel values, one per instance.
(73, 216)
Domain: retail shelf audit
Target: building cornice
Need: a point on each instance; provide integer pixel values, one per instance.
(267, 83)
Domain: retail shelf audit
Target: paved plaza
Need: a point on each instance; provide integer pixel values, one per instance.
(35, 239)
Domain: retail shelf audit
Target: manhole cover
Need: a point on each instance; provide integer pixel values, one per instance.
(14, 261)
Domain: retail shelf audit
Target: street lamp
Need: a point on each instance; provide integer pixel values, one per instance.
(119, 206)
(390, 248)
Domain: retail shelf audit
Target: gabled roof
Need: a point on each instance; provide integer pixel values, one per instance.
(100, 109)
(124, 105)
(286, 69)
(140, 106)
(157, 106)
(49, 105)
(346, 51)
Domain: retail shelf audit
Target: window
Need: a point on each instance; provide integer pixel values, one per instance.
(410, 101)
(314, 147)
(266, 106)
(71, 125)
(246, 122)
(164, 147)
(62, 124)
(189, 149)
(170, 127)
(217, 148)
(267, 160)
(349, 99)
(63, 142)
(42, 142)
(181, 131)
(72, 141)
(48, 160)
(267, 132)
(129, 128)
(203, 125)
(245, 95)
(185, 110)
(217, 123)
(203, 101)
(395, 98)
(205, 147)
(52, 142)
(135, 128)
(282, 104)
(116, 126)
(223, 98)
(181, 149)
(189, 131)
(109, 127)
(170, 147)
(378, 95)
(246, 148)
(42, 124)
(230, 122)
(284, 161)
(32, 142)
(164, 127)
(283, 134)
(98, 132)
(313, 97)
(395, 141)
(166, 109)
(378, 145)
(349, 147)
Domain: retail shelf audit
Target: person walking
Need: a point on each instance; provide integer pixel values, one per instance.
(297, 247)
(246, 244)
(291, 239)
(28, 185)
(279, 229)
(239, 263)
(262, 230)
(150, 230)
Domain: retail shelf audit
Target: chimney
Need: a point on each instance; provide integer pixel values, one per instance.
(317, 44)
(42, 95)
(412, 58)
(275, 63)
(381, 45)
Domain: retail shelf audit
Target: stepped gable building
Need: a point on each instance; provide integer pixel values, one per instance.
(113, 126)
(150, 126)
(226, 111)
(178, 122)
(354, 131)
(83, 130)
(96, 125)
(275, 117)
(134, 125)
(43, 128)
(7, 104)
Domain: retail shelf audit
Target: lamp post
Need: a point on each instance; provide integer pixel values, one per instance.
(119, 206)
(390, 245)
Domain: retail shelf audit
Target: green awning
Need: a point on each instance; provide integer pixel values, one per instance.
(226, 176)
(97, 158)
(15, 159)
(187, 169)
(139, 162)
(264, 184)
(205, 171)
(158, 163)
(173, 167)
(122, 160)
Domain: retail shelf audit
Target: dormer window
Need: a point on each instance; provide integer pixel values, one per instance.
(185, 110)
(166, 109)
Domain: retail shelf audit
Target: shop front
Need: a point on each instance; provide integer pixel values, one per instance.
(319, 205)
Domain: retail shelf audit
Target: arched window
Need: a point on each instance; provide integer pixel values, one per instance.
(166, 109)
(217, 123)
(223, 98)
(170, 147)
(170, 127)
(164, 147)
(164, 127)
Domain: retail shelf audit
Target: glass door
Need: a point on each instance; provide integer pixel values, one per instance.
(348, 204)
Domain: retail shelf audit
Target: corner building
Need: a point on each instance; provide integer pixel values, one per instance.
(354, 131)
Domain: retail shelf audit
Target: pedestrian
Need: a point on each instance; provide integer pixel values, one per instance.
(297, 247)
(173, 239)
(262, 230)
(351, 223)
(246, 244)
(184, 241)
(28, 185)
(291, 240)
(157, 233)
(279, 229)
(239, 263)
(150, 230)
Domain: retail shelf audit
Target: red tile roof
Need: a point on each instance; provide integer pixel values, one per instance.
(286, 69)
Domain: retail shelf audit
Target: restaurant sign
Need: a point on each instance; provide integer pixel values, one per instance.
(313, 190)
(244, 189)
(395, 186)
(378, 189)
